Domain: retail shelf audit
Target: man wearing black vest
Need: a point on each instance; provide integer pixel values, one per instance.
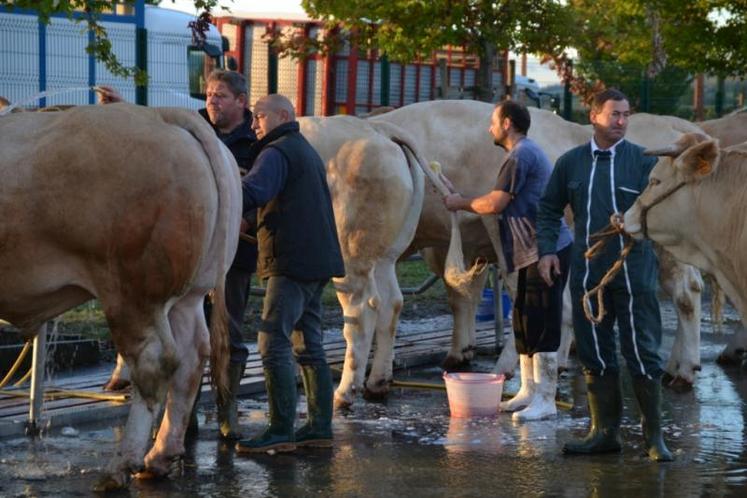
(298, 254)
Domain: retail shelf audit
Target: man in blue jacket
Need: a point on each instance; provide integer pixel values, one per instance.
(298, 254)
(597, 179)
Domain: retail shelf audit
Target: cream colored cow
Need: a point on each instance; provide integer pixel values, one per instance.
(139, 208)
(729, 130)
(694, 207)
(455, 134)
(377, 195)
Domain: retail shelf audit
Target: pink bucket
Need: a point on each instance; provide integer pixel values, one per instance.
(473, 394)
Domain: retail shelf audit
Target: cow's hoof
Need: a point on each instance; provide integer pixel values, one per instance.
(342, 403)
(452, 364)
(729, 360)
(379, 393)
(117, 385)
(112, 482)
(151, 474)
(676, 383)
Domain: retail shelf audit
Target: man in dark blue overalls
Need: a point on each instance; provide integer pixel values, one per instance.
(597, 179)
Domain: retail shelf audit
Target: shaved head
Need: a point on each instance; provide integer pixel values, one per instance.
(276, 103)
(270, 112)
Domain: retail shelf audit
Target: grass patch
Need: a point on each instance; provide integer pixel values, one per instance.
(88, 321)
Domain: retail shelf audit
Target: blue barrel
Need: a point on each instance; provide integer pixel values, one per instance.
(506, 305)
(485, 310)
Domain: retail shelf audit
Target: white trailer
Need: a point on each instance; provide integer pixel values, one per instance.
(50, 60)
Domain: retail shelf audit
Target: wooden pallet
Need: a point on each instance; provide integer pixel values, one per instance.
(410, 350)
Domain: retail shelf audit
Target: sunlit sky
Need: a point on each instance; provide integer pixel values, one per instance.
(542, 74)
(290, 6)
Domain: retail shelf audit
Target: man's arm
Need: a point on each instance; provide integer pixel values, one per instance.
(549, 214)
(493, 202)
(265, 180)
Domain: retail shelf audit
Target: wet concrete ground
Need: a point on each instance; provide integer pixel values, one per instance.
(410, 447)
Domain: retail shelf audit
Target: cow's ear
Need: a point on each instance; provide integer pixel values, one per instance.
(699, 160)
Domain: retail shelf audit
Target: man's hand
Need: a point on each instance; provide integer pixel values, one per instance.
(549, 268)
(454, 202)
(108, 95)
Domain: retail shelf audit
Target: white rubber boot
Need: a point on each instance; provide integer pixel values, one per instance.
(526, 391)
(545, 385)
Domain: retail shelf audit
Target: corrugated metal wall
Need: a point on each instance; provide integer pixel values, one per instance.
(121, 36)
(167, 69)
(19, 39)
(258, 63)
(288, 72)
(70, 70)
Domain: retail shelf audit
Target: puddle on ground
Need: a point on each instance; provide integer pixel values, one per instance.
(410, 446)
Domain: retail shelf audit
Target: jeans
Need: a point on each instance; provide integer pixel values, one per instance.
(291, 326)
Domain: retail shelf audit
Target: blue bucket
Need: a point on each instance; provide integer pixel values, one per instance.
(485, 312)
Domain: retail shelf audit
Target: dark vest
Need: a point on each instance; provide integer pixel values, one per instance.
(296, 229)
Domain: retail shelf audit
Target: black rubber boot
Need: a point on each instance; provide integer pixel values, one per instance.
(228, 409)
(317, 432)
(281, 397)
(605, 407)
(648, 394)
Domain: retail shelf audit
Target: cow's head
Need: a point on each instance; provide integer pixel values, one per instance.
(667, 201)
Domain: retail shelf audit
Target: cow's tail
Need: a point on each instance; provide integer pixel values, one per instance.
(414, 160)
(410, 224)
(219, 342)
(224, 238)
(456, 275)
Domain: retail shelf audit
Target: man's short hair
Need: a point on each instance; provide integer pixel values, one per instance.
(517, 113)
(597, 102)
(235, 82)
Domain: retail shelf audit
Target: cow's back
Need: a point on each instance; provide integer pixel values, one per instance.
(105, 200)
(369, 181)
(730, 129)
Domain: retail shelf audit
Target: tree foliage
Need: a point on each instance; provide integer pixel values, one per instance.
(407, 29)
(101, 47)
(612, 38)
(620, 40)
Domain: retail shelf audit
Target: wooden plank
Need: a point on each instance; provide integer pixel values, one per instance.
(410, 349)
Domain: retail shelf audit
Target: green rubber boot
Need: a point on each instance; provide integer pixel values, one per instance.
(228, 408)
(648, 393)
(605, 408)
(317, 432)
(281, 396)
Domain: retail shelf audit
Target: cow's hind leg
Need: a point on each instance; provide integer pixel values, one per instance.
(387, 317)
(359, 299)
(187, 321)
(151, 355)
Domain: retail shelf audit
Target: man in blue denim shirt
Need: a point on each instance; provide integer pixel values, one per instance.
(538, 306)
